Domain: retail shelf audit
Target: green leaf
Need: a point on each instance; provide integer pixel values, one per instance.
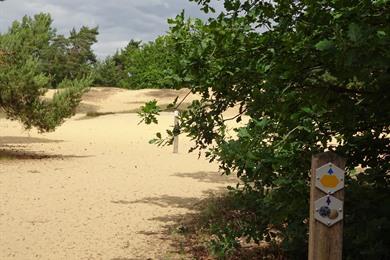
(262, 123)
(337, 15)
(324, 45)
(354, 32)
(381, 34)
(307, 110)
(243, 132)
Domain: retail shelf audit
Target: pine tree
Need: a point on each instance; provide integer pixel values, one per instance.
(23, 79)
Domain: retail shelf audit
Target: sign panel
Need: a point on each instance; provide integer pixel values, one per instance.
(329, 178)
(328, 210)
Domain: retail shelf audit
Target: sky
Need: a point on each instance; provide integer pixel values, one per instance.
(118, 20)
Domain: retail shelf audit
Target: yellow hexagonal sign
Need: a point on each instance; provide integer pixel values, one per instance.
(329, 178)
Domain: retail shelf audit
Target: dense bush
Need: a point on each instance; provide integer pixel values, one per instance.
(312, 76)
(150, 65)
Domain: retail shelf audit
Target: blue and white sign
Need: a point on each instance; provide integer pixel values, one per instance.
(328, 210)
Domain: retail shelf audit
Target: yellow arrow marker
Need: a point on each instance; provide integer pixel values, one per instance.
(330, 181)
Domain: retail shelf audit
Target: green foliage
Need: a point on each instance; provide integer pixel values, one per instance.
(149, 112)
(312, 76)
(224, 243)
(24, 79)
(59, 57)
(150, 65)
(112, 71)
(72, 57)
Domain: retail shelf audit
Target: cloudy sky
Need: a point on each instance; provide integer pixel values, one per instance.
(118, 20)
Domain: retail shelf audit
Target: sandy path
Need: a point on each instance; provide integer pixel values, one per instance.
(103, 193)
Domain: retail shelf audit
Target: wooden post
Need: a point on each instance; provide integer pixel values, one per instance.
(325, 242)
(176, 137)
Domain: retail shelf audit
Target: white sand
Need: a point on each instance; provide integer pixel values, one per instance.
(95, 188)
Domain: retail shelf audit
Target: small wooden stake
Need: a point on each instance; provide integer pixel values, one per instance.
(176, 137)
(325, 243)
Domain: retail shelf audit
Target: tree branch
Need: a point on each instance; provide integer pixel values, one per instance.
(184, 98)
(236, 116)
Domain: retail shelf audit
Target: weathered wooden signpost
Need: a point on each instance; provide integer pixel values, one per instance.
(175, 135)
(326, 207)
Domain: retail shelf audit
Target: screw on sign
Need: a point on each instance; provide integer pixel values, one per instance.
(329, 178)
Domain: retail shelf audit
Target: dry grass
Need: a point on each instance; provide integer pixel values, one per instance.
(193, 234)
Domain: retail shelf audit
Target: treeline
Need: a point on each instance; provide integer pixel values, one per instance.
(34, 58)
(149, 65)
(138, 65)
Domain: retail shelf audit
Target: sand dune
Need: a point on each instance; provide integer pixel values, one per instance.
(95, 188)
(101, 99)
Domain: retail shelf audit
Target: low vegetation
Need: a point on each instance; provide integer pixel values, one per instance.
(199, 234)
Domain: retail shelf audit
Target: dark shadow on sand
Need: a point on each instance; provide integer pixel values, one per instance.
(83, 108)
(166, 93)
(208, 177)
(163, 201)
(172, 223)
(18, 154)
(4, 140)
(124, 258)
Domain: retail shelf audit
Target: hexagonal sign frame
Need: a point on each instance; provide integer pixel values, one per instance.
(328, 210)
(330, 178)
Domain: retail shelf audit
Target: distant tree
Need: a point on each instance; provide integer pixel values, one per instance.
(71, 57)
(112, 71)
(80, 54)
(150, 65)
(24, 79)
